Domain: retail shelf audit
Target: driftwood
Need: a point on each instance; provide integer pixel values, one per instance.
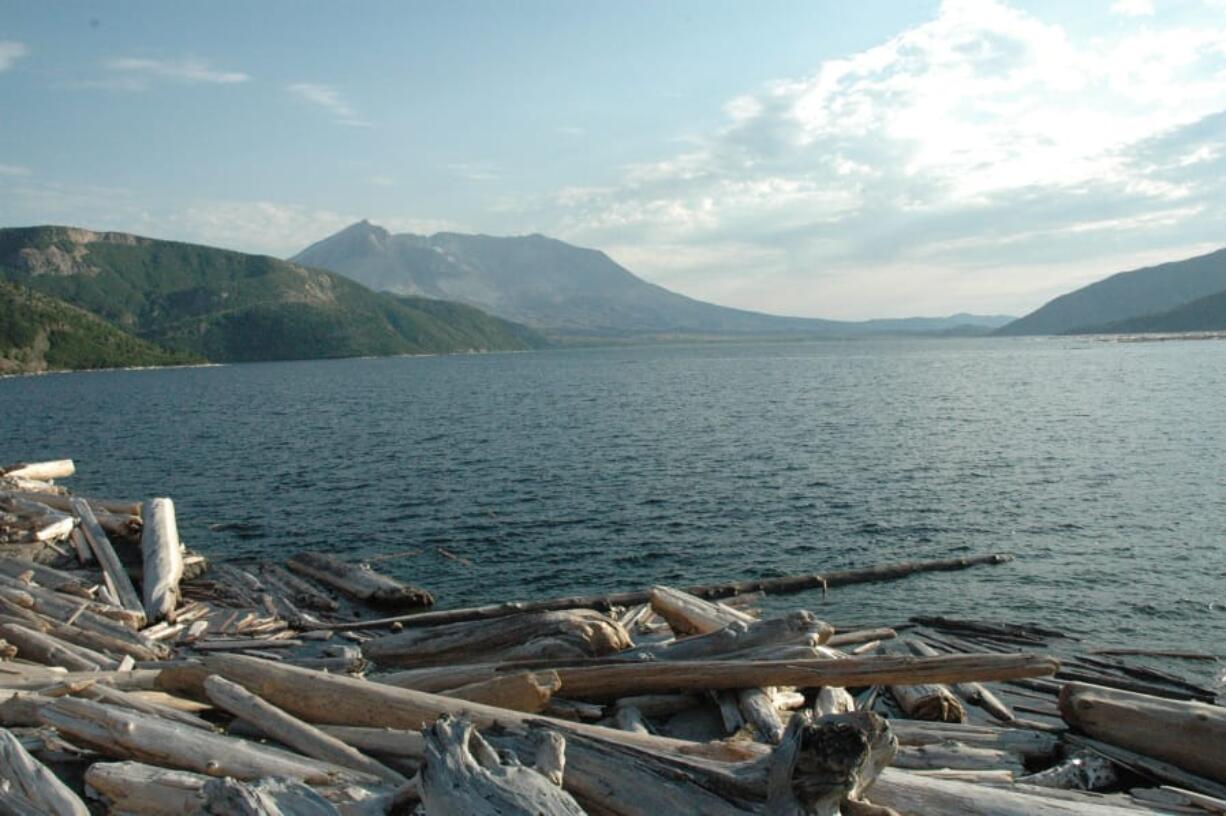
(147, 790)
(957, 756)
(263, 797)
(41, 471)
(929, 701)
(911, 793)
(800, 627)
(792, 583)
(463, 776)
(52, 651)
(526, 691)
(572, 633)
(359, 582)
(1189, 735)
(117, 579)
(1027, 744)
(45, 576)
(687, 614)
(30, 780)
(973, 693)
(291, 731)
(127, 734)
(162, 556)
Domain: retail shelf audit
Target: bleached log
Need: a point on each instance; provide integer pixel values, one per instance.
(41, 471)
(135, 680)
(928, 701)
(291, 731)
(146, 790)
(263, 797)
(128, 734)
(51, 651)
(162, 558)
(528, 691)
(758, 709)
(973, 693)
(359, 581)
(913, 794)
(590, 632)
(690, 615)
(113, 696)
(957, 756)
(383, 741)
(1023, 742)
(45, 576)
(463, 776)
(1186, 734)
(741, 636)
(63, 503)
(32, 780)
(87, 638)
(63, 608)
(117, 578)
(1082, 770)
(860, 636)
(629, 718)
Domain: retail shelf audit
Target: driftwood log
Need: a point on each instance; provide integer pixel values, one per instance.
(118, 582)
(28, 780)
(162, 556)
(358, 581)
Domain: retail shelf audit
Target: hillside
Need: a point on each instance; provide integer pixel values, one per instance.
(545, 283)
(230, 306)
(1202, 314)
(1127, 296)
(41, 333)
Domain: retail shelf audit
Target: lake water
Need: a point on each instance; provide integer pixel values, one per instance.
(1101, 466)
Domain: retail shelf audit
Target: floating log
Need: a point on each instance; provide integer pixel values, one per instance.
(463, 776)
(117, 579)
(1189, 735)
(127, 734)
(162, 558)
(792, 583)
(358, 581)
(291, 731)
(32, 781)
(574, 632)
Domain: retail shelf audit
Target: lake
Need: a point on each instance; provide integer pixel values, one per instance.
(1101, 466)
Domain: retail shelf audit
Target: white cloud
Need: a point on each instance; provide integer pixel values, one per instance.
(10, 52)
(920, 154)
(474, 171)
(13, 170)
(137, 73)
(329, 98)
(383, 181)
(1133, 8)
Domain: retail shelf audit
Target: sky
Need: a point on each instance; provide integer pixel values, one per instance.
(826, 159)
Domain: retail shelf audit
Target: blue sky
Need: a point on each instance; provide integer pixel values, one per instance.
(831, 159)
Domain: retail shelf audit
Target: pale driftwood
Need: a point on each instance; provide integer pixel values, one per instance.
(45, 576)
(585, 632)
(758, 708)
(463, 776)
(911, 793)
(291, 731)
(860, 636)
(162, 558)
(53, 612)
(741, 636)
(52, 651)
(1149, 767)
(263, 797)
(529, 691)
(358, 582)
(688, 614)
(957, 756)
(128, 734)
(146, 790)
(41, 471)
(1189, 735)
(833, 700)
(609, 681)
(629, 718)
(117, 579)
(973, 693)
(63, 503)
(1025, 743)
(32, 780)
(791, 583)
(383, 741)
(1080, 770)
(135, 680)
(928, 701)
(105, 694)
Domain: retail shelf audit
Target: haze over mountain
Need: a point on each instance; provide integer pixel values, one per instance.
(562, 289)
(207, 303)
(1129, 296)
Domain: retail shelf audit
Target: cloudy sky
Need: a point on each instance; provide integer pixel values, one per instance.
(833, 159)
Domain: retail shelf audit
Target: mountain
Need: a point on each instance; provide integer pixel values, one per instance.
(41, 333)
(229, 306)
(563, 289)
(1126, 296)
(1201, 315)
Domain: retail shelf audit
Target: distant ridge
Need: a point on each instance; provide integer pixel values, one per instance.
(1127, 296)
(227, 306)
(563, 289)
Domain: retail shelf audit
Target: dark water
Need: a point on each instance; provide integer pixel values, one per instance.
(1101, 466)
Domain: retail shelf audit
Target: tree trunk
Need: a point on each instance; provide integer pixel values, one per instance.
(162, 555)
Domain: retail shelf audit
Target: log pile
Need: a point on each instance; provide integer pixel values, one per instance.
(137, 678)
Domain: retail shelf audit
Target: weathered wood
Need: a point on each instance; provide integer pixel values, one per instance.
(112, 696)
(358, 581)
(973, 693)
(860, 636)
(740, 636)
(146, 790)
(64, 608)
(51, 651)
(463, 776)
(117, 579)
(162, 558)
(136, 680)
(688, 614)
(527, 691)
(41, 471)
(793, 583)
(821, 763)
(1026, 743)
(1079, 770)
(957, 756)
(912, 794)
(582, 633)
(1149, 767)
(759, 711)
(45, 576)
(128, 734)
(33, 781)
(291, 731)
(1189, 735)
(263, 797)
(929, 701)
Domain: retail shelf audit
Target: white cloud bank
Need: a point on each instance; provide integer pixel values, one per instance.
(10, 52)
(329, 98)
(982, 160)
(139, 74)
